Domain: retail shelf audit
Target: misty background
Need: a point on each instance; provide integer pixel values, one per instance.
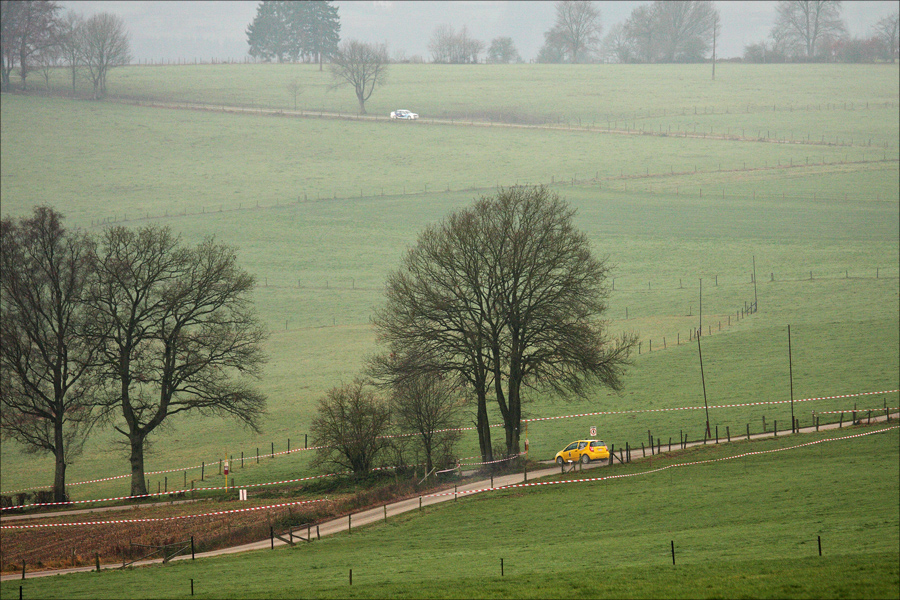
(166, 31)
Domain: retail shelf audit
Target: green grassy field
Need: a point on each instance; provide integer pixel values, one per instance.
(321, 210)
(744, 527)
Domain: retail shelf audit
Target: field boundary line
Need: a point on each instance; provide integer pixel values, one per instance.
(534, 419)
(464, 492)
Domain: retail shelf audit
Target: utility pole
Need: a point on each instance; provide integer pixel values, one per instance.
(755, 298)
(715, 31)
(701, 308)
(791, 376)
(703, 379)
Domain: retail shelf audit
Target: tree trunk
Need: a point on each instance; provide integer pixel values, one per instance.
(138, 483)
(428, 462)
(59, 478)
(484, 429)
(513, 415)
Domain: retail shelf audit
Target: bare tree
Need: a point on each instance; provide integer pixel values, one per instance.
(506, 294)
(715, 34)
(70, 42)
(447, 46)
(423, 402)
(503, 51)
(685, 29)
(805, 23)
(26, 28)
(438, 309)
(641, 30)
(178, 334)
(46, 61)
(441, 44)
(294, 88)
(362, 66)
(350, 428)
(46, 383)
(469, 47)
(576, 30)
(617, 45)
(104, 46)
(886, 32)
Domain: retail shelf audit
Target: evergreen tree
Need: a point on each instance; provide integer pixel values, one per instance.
(285, 30)
(322, 29)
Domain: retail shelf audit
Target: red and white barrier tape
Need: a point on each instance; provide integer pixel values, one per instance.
(615, 412)
(491, 462)
(646, 410)
(161, 519)
(173, 492)
(261, 456)
(464, 492)
(856, 410)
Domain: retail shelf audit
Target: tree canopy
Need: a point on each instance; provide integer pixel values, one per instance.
(349, 428)
(284, 30)
(47, 383)
(666, 32)
(575, 34)
(104, 45)
(504, 296)
(26, 28)
(177, 333)
(804, 24)
(362, 66)
(503, 51)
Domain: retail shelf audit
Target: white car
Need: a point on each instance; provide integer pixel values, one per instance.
(403, 114)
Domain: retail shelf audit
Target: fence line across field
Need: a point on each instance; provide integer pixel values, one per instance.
(575, 179)
(456, 492)
(496, 425)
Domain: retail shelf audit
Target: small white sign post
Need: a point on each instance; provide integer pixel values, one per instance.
(593, 431)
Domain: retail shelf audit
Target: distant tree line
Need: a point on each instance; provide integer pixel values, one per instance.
(813, 31)
(123, 329)
(35, 37)
(678, 31)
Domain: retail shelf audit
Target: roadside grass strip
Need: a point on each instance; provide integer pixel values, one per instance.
(532, 420)
(659, 470)
(466, 492)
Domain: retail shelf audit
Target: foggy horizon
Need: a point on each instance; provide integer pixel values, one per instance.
(172, 31)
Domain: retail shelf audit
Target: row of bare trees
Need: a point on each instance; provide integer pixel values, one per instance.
(664, 32)
(36, 37)
(125, 329)
(499, 300)
(814, 30)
